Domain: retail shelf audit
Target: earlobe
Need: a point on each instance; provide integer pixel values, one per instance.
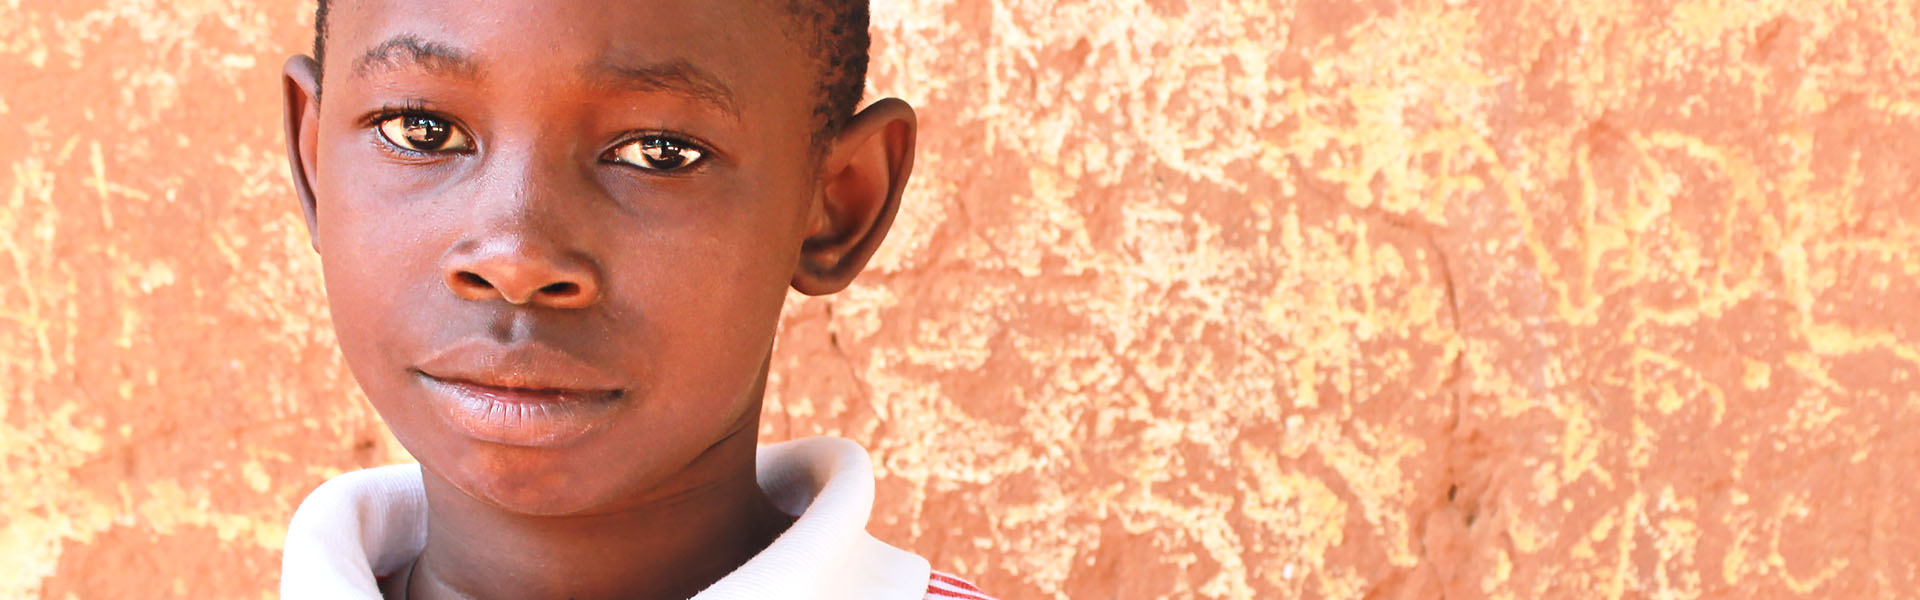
(863, 174)
(301, 84)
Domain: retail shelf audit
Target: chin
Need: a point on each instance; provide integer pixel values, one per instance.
(526, 481)
(511, 479)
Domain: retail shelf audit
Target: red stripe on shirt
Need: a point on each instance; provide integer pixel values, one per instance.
(962, 589)
(940, 593)
(955, 582)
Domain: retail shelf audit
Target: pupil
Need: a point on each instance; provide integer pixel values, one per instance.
(427, 132)
(662, 153)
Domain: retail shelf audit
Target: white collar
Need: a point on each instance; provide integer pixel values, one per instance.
(374, 521)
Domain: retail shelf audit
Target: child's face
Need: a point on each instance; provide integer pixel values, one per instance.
(557, 236)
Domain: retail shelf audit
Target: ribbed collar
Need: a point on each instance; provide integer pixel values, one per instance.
(375, 521)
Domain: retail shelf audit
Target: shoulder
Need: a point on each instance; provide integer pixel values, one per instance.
(947, 586)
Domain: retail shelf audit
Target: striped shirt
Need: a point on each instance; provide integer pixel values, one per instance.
(944, 586)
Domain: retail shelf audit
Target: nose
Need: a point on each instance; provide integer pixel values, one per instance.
(523, 270)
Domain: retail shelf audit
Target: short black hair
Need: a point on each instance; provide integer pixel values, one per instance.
(834, 30)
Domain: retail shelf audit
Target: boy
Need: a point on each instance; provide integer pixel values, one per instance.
(556, 238)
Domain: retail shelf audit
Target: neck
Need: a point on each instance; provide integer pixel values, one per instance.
(668, 547)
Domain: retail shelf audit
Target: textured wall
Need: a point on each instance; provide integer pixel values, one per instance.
(1193, 299)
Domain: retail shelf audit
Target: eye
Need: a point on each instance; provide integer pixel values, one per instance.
(424, 133)
(657, 153)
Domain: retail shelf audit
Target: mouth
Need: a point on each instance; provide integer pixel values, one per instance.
(527, 396)
(523, 395)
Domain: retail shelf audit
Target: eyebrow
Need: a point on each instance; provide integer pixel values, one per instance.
(674, 77)
(408, 49)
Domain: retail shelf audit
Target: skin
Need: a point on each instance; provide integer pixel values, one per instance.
(651, 296)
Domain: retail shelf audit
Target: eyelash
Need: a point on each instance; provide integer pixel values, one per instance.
(388, 111)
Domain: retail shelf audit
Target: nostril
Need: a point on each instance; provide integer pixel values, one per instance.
(561, 289)
(471, 279)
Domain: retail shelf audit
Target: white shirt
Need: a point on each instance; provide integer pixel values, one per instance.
(375, 521)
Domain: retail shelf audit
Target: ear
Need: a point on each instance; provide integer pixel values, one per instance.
(302, 83)
(863, 172)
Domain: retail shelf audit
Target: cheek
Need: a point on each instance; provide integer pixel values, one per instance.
(715, 284)
(351, 303)
(374, 290)
(715, 307)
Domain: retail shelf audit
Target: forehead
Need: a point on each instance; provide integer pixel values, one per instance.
(745, 49)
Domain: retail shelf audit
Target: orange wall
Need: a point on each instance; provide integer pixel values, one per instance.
(1193, 299)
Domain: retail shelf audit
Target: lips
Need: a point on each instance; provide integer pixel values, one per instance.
(525, 394)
